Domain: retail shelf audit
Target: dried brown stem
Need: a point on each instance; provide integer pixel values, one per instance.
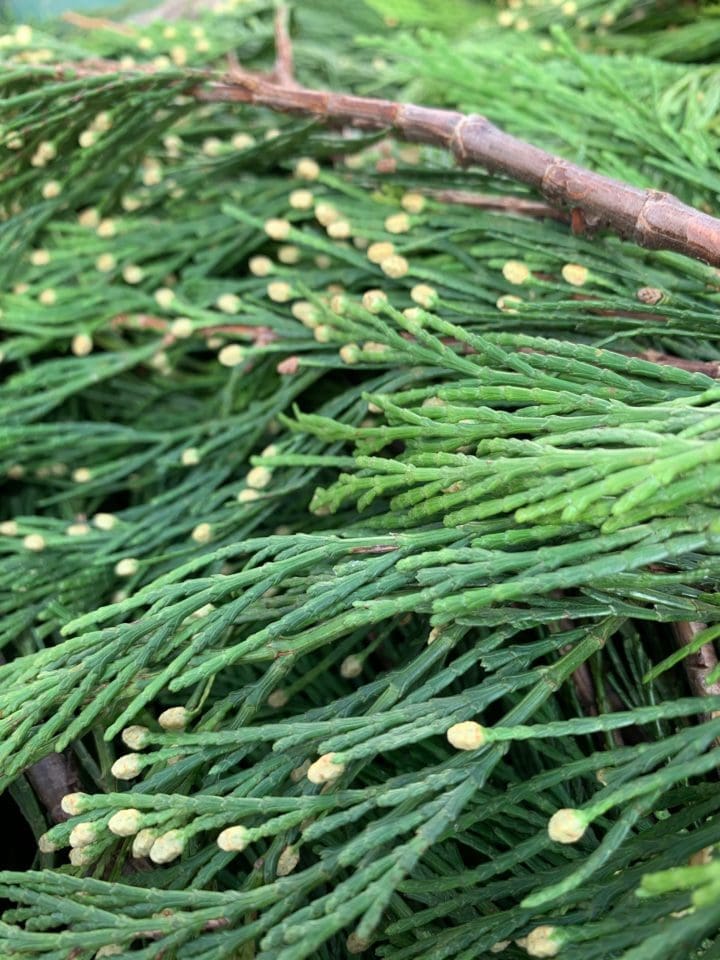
(489, 201)
(175, 9)
(96, 23)
(284, 71)
(51, 778)
(700, 664)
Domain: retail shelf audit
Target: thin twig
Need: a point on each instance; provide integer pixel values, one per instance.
(174, 10)
(96, 23)
(284, 71)
(489, 201)
(698, 665)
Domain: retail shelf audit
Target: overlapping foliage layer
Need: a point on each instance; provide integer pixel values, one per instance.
(324, 464)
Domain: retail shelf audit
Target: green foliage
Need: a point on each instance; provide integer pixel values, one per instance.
(322, 497)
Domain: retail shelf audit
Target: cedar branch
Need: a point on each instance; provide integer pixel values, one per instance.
(650, 218)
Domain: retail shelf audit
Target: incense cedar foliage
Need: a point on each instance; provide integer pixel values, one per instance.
(360, 543)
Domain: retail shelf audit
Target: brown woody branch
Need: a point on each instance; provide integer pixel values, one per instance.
(650, 218)
(698, 665)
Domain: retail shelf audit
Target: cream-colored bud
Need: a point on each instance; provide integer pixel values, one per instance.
(515, 271)
(351, 667)
(75, 803)
(104, 521)
(307, 169)
(322, 333)
(130, 203)
(277, 228)
(413, 202)
(467, 735)
(202, 533)
(103, 121)
(242, 141)
(324, 770)
(133, 274)
(83, 834)
(339, 230)
(395, 266)
(377, 252)
(234, 839)
(374, 300)
(88, 138)
(258, 478)
(540, 942)
(301, 199)
(326, 213)
(424, 295)
(48, 297)
(9, 528)
(40, 258)
(174, 718)
(397, 223)
(278, 698)
(125, 823)
(305, 312)
(232, 355)
(89, 217)
(349, 353)
(261, 266)
(182, 328)
(135, 736)
(127, 767)
(212, 146)
(164, 297)
(51, 189)
(34, 542)
(178, 55)
(81, 856)
(289, 254)
(190, 457)
(248, 495)
(287, 861)
(575, 274)
(46, 844)
(143, 842)
(279, 291)
(167, 847)
(77, 529)
(106, 228)
(228, 303)
(127, 567)
(82, 344)
(82, 475)
(152, 173)
(567, 825)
